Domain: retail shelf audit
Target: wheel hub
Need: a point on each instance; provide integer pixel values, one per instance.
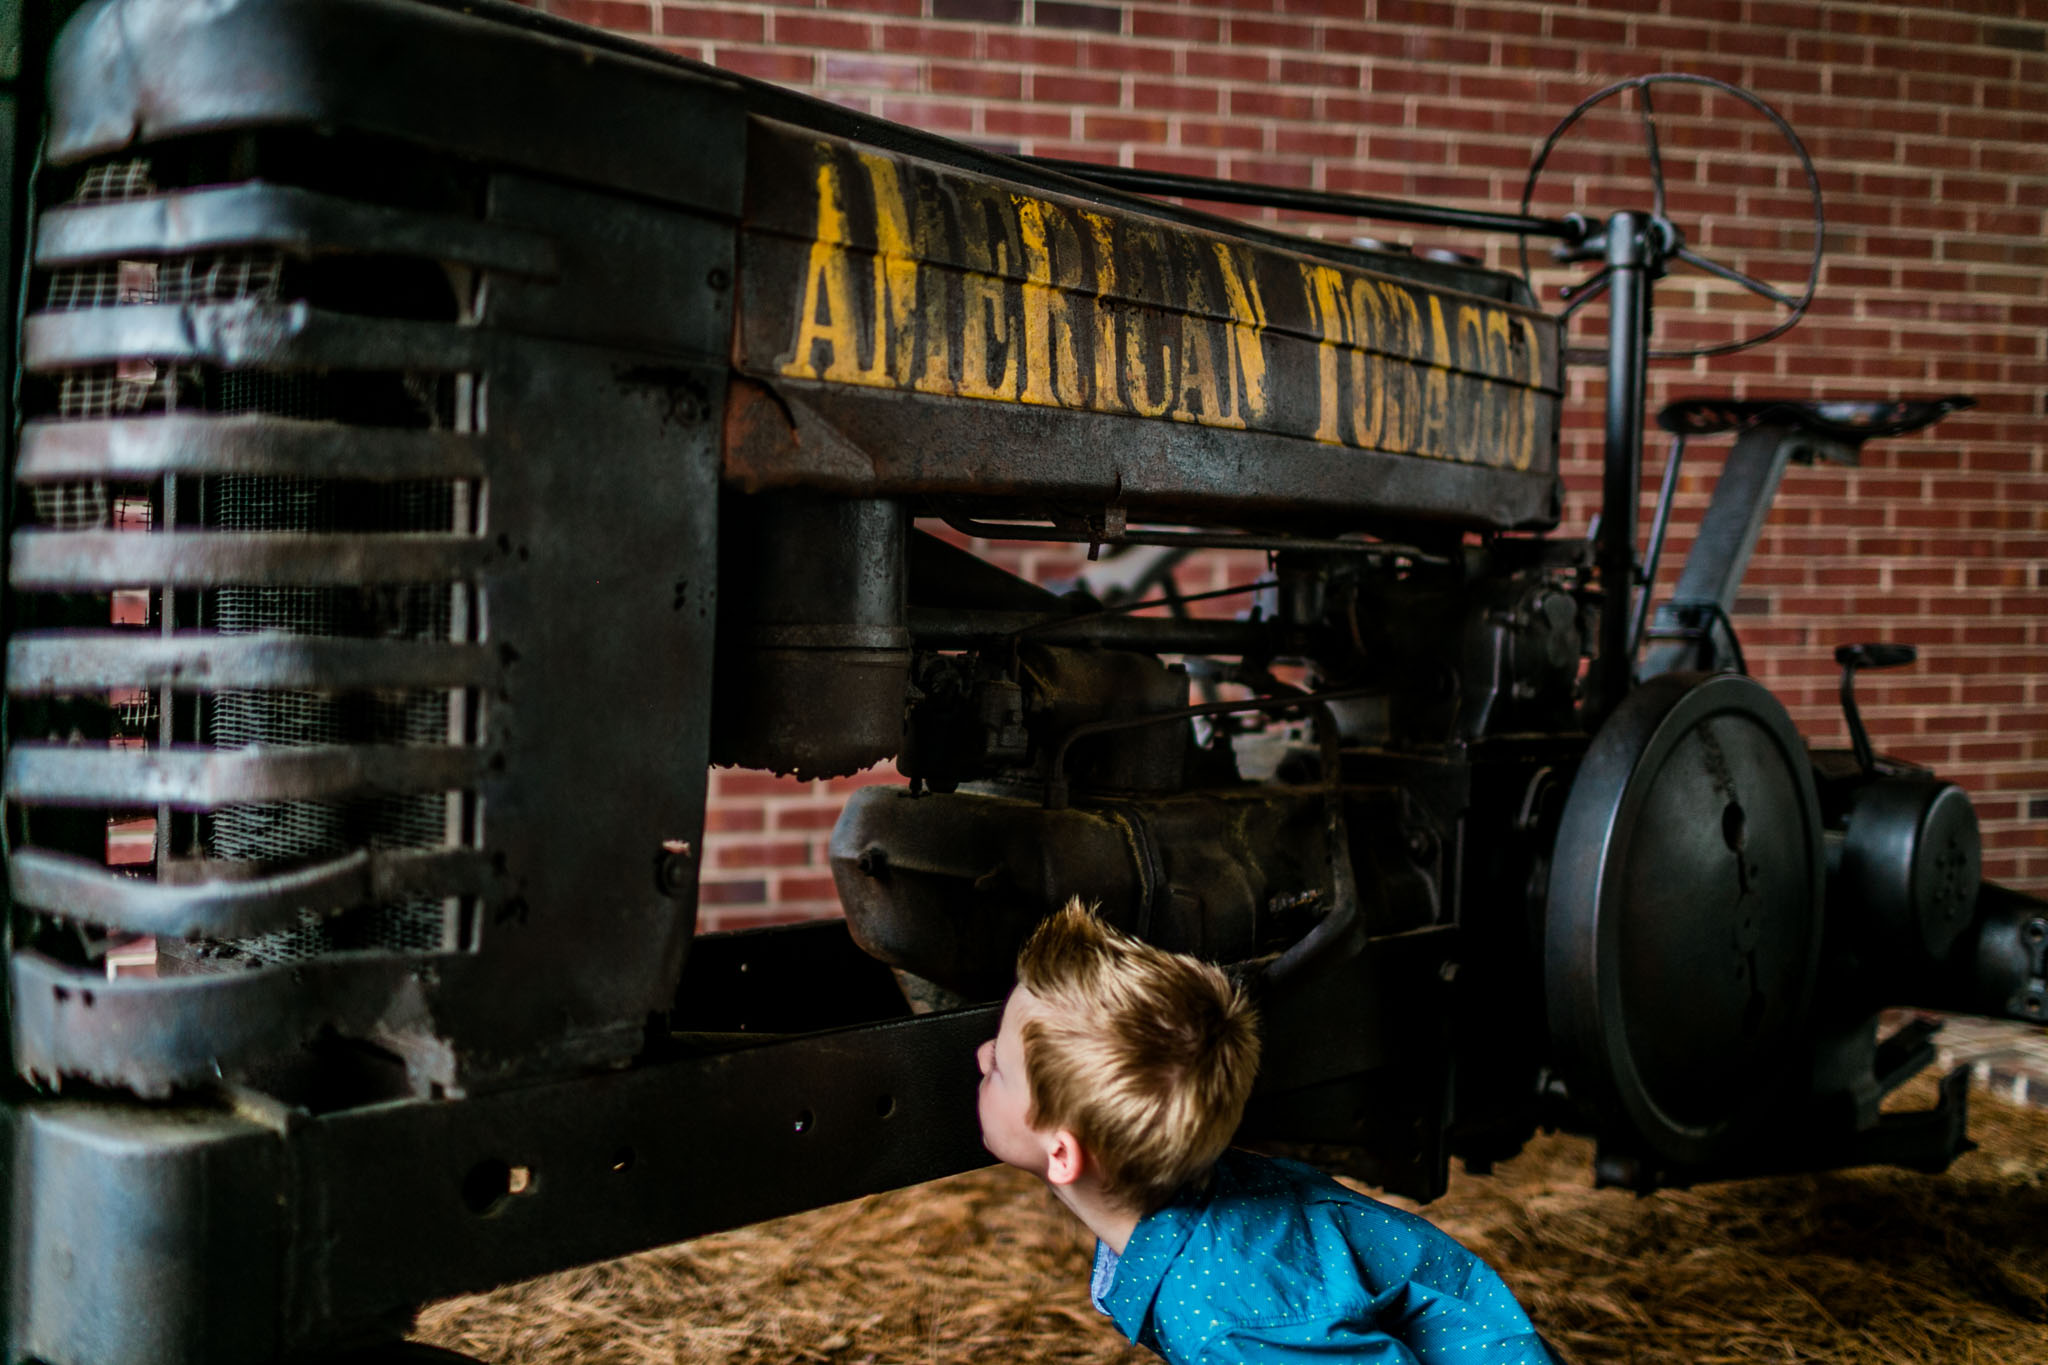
(1684, 914)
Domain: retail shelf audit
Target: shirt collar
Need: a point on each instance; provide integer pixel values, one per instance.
(1146, 1258)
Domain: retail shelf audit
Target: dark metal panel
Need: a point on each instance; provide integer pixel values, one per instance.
(230, 1238)
(1726, 536)
(140, 70)
(207, 779)
(635, 276)
(238, 909)
(279, 216)
(43, 662)
(155, 1035)
(936, 230)
(911, 277)
(126, 1219)
(859, 443)
(128, 448)
(248, 335)
(84, 560)
(606, 492)
(634, 1159)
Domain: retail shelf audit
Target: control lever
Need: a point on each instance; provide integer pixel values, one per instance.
(1851, 658)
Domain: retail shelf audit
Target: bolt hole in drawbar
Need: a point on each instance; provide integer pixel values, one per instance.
(491, 1182)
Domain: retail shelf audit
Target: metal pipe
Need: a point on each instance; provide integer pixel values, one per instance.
(1665, 494)
(1194, 540)
(1570, 228)
(1629, 261)
(945, 628)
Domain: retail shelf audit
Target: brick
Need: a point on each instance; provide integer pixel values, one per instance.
(2017, 37)
(732, 783)
(1029, 49)
(1390, 80)
(721, 817)
(1445, 47)
(985, 82)
(620, 16)
(1051, 88)
(762, 853)
(1410, 150)
(979, 11)
(1249, 32)
(898, 9)
(1476, 18)
(1178, 165)
(1459, 116)
(722, 25)
(1064, 14)
(1748, 41)
(1176, 25)
(1424, 13)
(749, 892)
(818, 30)
(1864, 21)
(1119, 128)
(873, 73)
(1767, 14)
(1340, 75)
(1102, 55)
(1229, 65)
(1176, 97)
(1221, 136)
(1271, 104)
(806, 888)
(936, 41)
(1996, 127)
(783, 68)
(1316, 142)
(806, 817)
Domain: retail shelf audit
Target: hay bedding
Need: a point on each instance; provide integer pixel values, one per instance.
(1858, 1266)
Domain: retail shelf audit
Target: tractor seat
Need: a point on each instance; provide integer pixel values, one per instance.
(1852, 420)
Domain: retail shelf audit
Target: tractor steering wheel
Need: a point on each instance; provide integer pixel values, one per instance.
(1577, 295)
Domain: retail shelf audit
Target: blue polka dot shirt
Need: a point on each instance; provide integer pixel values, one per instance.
(1274, 1263)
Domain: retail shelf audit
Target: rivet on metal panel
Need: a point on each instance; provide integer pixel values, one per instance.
(675, 867)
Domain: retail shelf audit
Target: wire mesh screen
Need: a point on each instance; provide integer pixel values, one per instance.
(223, 277)
(299, 831)
(281, 834)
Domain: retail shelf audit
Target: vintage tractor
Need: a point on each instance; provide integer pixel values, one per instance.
(444, 432)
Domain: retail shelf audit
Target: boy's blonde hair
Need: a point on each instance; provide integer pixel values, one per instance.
(1144, 1055)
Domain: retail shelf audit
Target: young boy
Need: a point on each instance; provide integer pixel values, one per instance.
(1118, 1077)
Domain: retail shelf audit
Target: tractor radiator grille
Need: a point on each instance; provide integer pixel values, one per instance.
(240, 490)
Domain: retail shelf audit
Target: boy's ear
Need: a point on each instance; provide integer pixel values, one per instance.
(1065, 1158)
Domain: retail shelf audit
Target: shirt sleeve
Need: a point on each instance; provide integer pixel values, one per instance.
(1315, 1343)
(1310, 1342)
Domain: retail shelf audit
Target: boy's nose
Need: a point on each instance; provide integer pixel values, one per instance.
(985, 1055)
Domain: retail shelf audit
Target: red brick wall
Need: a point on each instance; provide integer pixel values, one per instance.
(1929, 125)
